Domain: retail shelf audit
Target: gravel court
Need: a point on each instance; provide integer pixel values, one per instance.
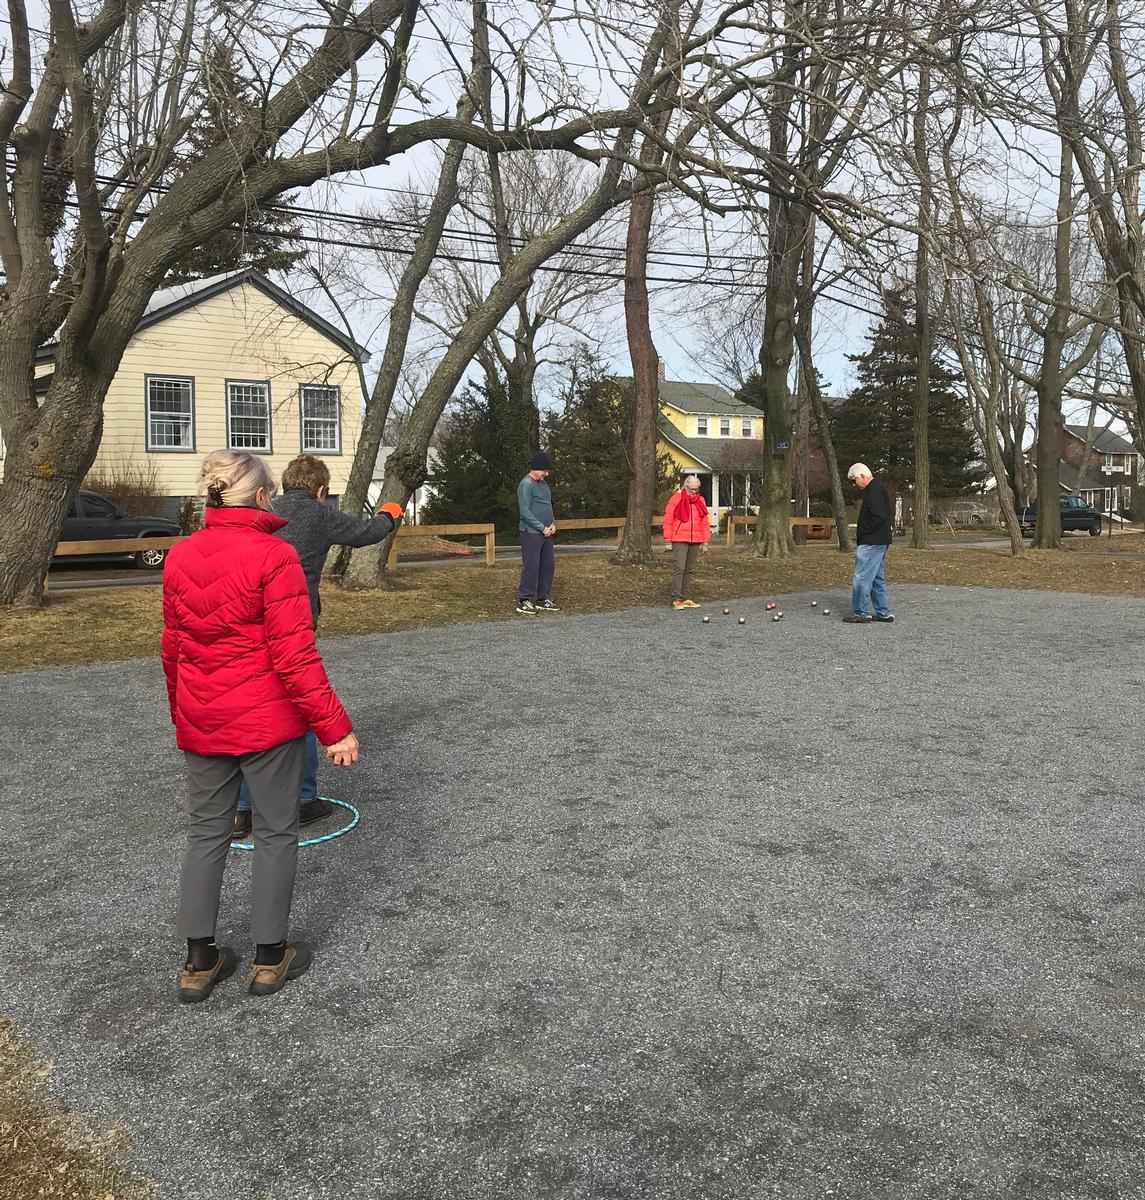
(638, 907)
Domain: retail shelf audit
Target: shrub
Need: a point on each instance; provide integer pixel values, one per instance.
(132, 484)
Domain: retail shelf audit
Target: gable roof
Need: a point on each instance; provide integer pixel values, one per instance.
(170, 301)
(697, 448)
(1104, 442)
(700, 398)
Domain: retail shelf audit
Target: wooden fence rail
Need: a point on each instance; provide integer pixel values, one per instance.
(408, 531)
(818, 528)
(115, 545)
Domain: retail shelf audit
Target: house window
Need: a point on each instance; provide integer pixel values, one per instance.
(747, 427)
(1108, 501)
(170, 412)
(701, 427)
(725, 426)
(321, 419)
(1126, 499)
(248, 416)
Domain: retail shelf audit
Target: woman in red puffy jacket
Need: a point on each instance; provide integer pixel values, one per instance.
(245, 683)
(687, 532)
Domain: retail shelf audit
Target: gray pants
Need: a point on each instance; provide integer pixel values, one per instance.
(684, 555)
(275, 778)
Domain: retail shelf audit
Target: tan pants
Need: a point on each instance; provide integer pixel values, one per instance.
(684, 559)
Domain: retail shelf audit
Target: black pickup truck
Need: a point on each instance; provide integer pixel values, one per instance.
(1076, 514)
(94, 518)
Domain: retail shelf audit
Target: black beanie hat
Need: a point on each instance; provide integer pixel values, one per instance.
(541, 462)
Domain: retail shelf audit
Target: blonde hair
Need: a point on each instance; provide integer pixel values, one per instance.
(231, 479)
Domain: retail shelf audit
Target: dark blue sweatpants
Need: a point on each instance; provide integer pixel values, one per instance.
(538, 564)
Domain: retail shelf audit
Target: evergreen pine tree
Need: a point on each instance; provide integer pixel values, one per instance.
(590, 441)
(875, 424)
(266, 237)
(483, 454)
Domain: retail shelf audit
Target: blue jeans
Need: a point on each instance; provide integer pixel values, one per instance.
(870, 584)
(309, 791)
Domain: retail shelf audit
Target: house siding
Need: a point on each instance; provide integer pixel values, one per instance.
(241, 334)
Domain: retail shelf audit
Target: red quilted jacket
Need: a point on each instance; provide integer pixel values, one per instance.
(243, 672)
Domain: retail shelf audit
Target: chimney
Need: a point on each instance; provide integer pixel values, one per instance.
(661, 369)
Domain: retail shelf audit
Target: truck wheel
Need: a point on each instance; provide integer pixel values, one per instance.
(1095, 529)
(150, 560)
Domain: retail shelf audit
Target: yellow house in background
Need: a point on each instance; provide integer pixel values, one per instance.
(705, 431)
(235, 361)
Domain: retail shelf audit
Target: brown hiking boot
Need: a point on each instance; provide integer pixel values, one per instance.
(195, 986)
(266, 980)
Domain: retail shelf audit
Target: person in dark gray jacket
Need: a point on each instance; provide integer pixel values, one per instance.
(314, 527)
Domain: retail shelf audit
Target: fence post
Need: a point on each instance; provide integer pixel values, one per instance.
(731, 530)
(392, 558)
(490, 548)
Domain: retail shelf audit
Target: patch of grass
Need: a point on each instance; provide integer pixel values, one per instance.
(108, 625)
(46, 1153)
(1119, 543)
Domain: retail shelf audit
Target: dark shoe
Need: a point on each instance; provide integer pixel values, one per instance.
(527, 607)
(195, 986)
(856, 619)
(887, 620)
(547, 605)
(266, 980)
(243, 819)
(314, 811)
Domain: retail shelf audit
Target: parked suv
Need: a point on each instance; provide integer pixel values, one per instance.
(1076, 514)
(94, 518)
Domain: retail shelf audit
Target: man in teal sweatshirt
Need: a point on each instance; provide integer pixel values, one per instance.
(538, 528)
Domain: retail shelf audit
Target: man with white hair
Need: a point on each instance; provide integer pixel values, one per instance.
(873, 536)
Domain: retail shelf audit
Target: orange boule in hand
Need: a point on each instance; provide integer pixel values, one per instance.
(393, 510)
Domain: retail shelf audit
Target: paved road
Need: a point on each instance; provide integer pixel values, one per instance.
(638, 908)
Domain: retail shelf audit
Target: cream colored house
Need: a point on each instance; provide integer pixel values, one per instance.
(235, 361)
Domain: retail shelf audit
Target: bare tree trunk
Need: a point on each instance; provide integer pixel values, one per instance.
(636, 546)
(822, 419)
(920, 500)
(801, 436)
(1048, 533)
(788, 230)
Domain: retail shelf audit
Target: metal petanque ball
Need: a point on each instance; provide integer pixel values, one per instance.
(780, 613)
(726, 611)
(826, 612)
(775, 616)
(814, 603)
(743, 620)
(707, 619)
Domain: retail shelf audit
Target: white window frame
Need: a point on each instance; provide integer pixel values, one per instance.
(302, 419)
(268, 448)
(746, 428)
(725, 427)
(702, 427)
(1107, 499)
(152, 447)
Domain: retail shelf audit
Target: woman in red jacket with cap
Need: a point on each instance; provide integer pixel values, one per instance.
(687, 532)
(245, 683)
